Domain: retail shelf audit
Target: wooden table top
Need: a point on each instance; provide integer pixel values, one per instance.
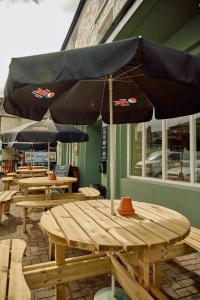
(90, 225)
(25, 171)
(39, 181)
(33, 167)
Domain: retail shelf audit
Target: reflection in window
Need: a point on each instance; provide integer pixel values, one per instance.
(153, 161)
(197, 149)
(136, 149)
(178, 149)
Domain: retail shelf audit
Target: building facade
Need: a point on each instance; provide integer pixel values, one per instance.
(158, 161)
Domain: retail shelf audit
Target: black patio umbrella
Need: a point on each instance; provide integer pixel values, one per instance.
(124, 81)
(27, 145)
(45, 131)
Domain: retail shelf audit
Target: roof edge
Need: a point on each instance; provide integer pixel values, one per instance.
(73, 24)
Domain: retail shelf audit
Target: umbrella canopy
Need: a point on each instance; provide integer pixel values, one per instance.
(123, 81)
(73, 84)
(27, 146)
(45, 131)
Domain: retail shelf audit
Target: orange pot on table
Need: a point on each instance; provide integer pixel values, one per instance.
(52, 176)
(126, 207)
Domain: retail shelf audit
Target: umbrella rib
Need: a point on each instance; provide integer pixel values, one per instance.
(124, 73)
(120, 80)
(134, 83)
(103, 94)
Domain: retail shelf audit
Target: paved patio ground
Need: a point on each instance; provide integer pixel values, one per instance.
(180, 277)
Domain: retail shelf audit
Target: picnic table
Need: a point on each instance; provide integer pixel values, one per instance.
(26, 183)
(32, 172)
(89, 225)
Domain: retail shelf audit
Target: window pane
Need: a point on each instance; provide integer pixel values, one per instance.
(136, 150)
(178, 149)
(153, 161)
(197, 148)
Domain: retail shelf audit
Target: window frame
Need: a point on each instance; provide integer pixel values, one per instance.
(192, 130)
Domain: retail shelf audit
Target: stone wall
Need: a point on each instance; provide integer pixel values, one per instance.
(94, 20)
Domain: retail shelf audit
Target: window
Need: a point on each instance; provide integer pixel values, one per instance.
(166, 150)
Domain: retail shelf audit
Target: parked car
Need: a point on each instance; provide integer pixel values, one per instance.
(184, 173)
(154, 162)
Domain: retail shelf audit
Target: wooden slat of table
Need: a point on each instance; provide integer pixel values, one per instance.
(99, 237)
(174, 216)
(135, 229)
(6, 195)
(178, 227)
(115, 230)
(169, 236)
(4, 267)
(72, 232)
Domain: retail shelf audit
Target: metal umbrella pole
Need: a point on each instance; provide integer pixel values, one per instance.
(0, 154)
(48, 158)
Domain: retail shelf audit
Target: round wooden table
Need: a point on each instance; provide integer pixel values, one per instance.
(33, 167)
(90, 225)
(32, 172)
(25, 183)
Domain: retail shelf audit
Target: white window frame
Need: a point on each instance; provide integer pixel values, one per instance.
(192, 183)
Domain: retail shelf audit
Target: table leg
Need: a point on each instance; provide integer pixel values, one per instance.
(1, 210)
(26, 191)
(70, 187)
(6, 186)
(25, 213)
(48, 193)
(144, 268)
(156, 273)
(60, 260)
(7, 207)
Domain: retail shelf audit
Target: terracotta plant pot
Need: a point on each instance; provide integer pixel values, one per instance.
(52, 176)
(126, 207)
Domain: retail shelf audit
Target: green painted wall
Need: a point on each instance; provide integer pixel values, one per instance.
(89, 157)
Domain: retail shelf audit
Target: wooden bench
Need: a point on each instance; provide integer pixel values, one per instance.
(5, 199)
(7, 181)
(29, 205)
(12, 281)
(191, 244)
(89, 192)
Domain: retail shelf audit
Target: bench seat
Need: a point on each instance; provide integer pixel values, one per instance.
(12, 281)
(28, 205)
(89, 192)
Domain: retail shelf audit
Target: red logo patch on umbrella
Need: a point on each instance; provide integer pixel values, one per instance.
(43, 93)
(125, 102)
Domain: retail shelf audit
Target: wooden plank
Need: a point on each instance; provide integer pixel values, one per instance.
(47, 203)
(101, 239)
(60, 260)
(167, 223)
(45, 275)
(41, 197)
(118, 232)
(18, 288)
(4, 266)
(89, 192)
(157, 293)
(126, 222)
(130, 285)
(169, 214)
(73, 233)
(6, 195)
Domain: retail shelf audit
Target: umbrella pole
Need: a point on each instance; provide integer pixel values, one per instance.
(110, 82)
(0, 155)
(48, 158)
